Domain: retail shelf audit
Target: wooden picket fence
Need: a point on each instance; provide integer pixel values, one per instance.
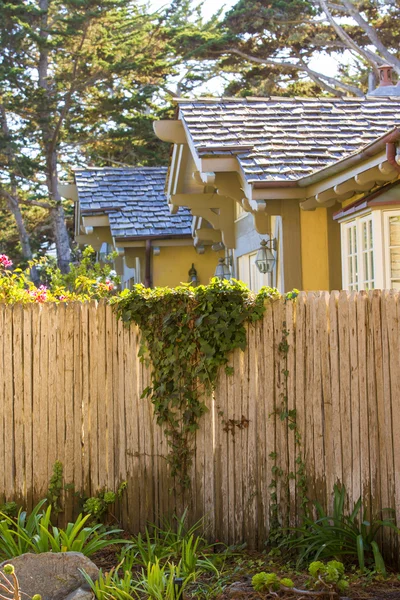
(70, 390)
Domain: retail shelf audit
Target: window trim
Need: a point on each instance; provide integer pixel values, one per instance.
(357, 223)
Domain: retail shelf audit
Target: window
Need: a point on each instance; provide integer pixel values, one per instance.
(358, 254)
(367, 252)
(371, 251)
(249, 273)
(393, 250)
(239, 211)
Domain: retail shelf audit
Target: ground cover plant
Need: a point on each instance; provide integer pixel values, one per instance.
(341, 535)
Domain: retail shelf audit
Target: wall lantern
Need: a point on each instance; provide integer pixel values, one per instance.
(193, 279)
(222, 271)
(265, 259)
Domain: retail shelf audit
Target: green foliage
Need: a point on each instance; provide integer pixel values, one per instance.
(173, 543)
(157, 582)
(329, 576)
(9, 508)
(340, 534)
(265, 582)
(34, 533)
(111, 582)
(188, 334)
(286, 582)
(98, 506)
(55, 487)
(86, 281)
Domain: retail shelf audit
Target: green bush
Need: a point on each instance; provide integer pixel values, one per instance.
(349, 535)
(34, 533)
(86, 281)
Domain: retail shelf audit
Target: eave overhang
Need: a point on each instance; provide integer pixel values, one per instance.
(361, 172)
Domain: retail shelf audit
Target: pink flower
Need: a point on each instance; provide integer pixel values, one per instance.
(109, 284)
(62, 298)
(40, 294)
(5, 261)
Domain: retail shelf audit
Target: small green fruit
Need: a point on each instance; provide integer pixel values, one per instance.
(8, 569)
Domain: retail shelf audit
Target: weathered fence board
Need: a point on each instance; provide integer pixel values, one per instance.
(71, 385)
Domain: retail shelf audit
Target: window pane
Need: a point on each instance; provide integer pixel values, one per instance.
(394, 224)
(395, 263)
(364, 236)
(370, 234)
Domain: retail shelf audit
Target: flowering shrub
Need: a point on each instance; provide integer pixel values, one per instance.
(86, 281)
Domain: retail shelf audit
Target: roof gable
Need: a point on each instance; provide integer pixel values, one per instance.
(134, 200)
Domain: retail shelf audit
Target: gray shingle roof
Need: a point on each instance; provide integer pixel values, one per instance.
(286, 139)
(134, 200)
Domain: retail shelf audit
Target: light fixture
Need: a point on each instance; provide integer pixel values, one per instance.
(265, 259)
(222, 271)
(193, 279)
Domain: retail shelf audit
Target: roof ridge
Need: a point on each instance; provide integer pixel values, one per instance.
(247, 99)
(80, 169)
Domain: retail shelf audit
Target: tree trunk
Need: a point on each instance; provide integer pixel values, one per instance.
(14, 208)
(61, 238)
(50, 148)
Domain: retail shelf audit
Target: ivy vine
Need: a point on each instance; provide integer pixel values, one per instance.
(288, 416)
(188, 334)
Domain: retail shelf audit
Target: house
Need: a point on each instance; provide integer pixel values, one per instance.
(125, 209)
(317, 178)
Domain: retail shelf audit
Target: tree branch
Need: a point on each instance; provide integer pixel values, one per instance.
(372, 35)
(16, 198)
(336, 83)
(351, 44)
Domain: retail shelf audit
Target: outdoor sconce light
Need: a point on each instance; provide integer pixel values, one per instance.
(265, 259)
(193, 279)
(222, 271)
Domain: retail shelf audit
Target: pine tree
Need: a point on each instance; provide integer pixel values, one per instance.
(76, 77)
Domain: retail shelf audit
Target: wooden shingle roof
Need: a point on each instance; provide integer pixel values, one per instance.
(134, 200)
(286, 139)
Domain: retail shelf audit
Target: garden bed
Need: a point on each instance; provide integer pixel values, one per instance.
(235, 579)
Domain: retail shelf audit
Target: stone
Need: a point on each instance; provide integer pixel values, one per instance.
(53, 575)
(80, 594)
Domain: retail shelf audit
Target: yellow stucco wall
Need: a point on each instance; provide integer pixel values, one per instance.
(314, 249)
(171, 266)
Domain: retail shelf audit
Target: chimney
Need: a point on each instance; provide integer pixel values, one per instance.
(386, 86)
(385, 75)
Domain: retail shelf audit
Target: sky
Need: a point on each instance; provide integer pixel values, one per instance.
(321, 63)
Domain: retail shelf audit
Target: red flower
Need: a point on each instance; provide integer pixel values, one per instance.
(5, 261)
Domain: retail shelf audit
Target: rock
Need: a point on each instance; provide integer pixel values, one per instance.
(80, 594)
(53, 575)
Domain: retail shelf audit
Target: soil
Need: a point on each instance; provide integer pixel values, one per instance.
(240, 588)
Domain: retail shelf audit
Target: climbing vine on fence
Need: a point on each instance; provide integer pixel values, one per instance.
(289, 418)
(188, 333)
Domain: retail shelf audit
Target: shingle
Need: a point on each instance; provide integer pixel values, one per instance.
(304, 134)
(136, 198)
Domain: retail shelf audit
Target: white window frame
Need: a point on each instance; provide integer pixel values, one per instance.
(386, 216)
(356, 224)
(381, 248)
